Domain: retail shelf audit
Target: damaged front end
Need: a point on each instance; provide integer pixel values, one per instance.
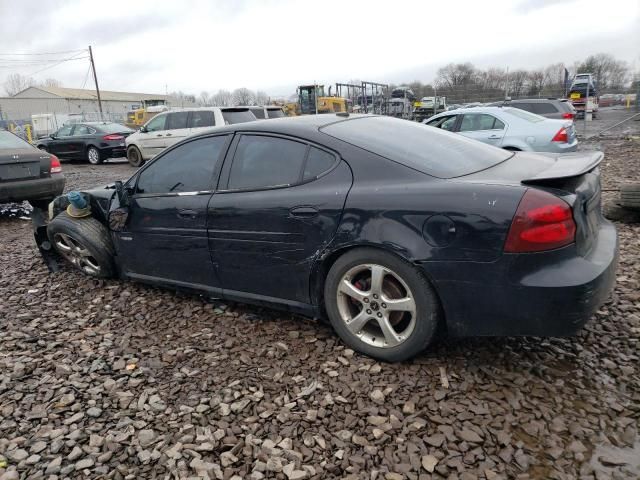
(96, 203)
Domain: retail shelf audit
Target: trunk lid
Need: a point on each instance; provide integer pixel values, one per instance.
(574, 177)
(23, 164)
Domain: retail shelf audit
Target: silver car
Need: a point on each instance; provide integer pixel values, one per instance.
(509, 128)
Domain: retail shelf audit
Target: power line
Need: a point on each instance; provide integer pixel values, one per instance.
(56, 64)
(46, 53)
(86, 77)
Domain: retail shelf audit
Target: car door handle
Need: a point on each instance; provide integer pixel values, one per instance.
(187, 213)
(168, 134)
(304, 212)
(158, 135)
(495, 137)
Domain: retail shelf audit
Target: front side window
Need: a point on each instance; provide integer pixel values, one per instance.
(186, 168)
(157, 123)
(177, 120)
(261, 162)
(449, 123)
(65, 131)
(202, 118)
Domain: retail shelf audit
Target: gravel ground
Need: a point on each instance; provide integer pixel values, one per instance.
(110, 379)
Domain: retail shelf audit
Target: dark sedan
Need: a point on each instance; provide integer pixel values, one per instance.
(390, 228)
(92, 141)
(27, 173)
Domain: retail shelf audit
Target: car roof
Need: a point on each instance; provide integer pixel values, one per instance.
(197, 109)
(305, 124)
(535, 100)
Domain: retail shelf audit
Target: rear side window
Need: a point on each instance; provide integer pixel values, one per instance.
(237, 116)
(275, 113)
(523, 106)
(543, 108)
(261, 162)
(81, 130)
(318, 162)
(203, 118)
(177, 120)
(186, 168)
(416, 145)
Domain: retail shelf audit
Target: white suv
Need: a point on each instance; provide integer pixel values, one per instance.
(168, 128)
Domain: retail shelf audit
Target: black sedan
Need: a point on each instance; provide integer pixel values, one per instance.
(92, 141)
(390, 228)
(27, 173)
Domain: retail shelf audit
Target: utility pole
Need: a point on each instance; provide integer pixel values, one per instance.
(95, 78)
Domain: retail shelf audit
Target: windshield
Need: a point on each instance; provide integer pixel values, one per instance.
(524, 115)
(418, 146)
(237, 116)
(112, 128)
(10, 141)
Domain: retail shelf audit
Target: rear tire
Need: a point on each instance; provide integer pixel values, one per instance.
(618, 213)
(391, 319)
(83, 242)
(94, 156)
(43, 148)
(134, 156)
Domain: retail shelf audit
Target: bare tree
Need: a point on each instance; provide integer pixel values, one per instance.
(223, 98)
(537, 81)
(52, 82)
(517, 81)
(262, 98)
(607, 71)
(204, 99)
(15, 83)
(244, 96)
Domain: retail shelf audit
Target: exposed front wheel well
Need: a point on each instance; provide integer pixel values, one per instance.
(512, 149)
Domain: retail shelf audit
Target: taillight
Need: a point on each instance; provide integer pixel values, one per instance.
(55, 166)
(112, 137)
(542, 222)
(568, 115)
(561, 136)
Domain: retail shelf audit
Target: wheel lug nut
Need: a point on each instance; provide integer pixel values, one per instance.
(384, 305)
(375, 295)
(366, 300)
(379, 315)
(369, 312)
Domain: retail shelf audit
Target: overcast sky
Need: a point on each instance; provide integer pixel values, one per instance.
(273, 45)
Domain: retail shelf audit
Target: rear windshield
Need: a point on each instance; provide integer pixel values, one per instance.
(419, 146)
(523, 114)
(275, 112)
(9, 141)
(237, 116)
(112, 128)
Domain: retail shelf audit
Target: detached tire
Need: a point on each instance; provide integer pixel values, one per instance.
(630, 195)
(134, 156)
(380, 305)
(83, 242)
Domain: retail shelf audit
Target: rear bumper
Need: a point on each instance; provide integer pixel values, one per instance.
(114, 152)
(36, 189)
(542, 294)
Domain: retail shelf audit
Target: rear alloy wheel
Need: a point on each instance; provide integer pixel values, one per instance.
(94, 156)
(380, 305)
(134, 156)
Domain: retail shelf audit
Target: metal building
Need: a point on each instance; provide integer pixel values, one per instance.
(19, 108)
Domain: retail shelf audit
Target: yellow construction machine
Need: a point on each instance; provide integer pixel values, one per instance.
(312, 100)
(147, 110)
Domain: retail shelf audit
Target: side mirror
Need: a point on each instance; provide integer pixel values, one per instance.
(123, 193)
(143, 129)
(53, 136)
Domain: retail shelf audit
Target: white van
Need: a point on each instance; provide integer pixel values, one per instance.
(168, 128)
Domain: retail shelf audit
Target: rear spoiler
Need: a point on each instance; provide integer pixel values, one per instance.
(568, 165)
